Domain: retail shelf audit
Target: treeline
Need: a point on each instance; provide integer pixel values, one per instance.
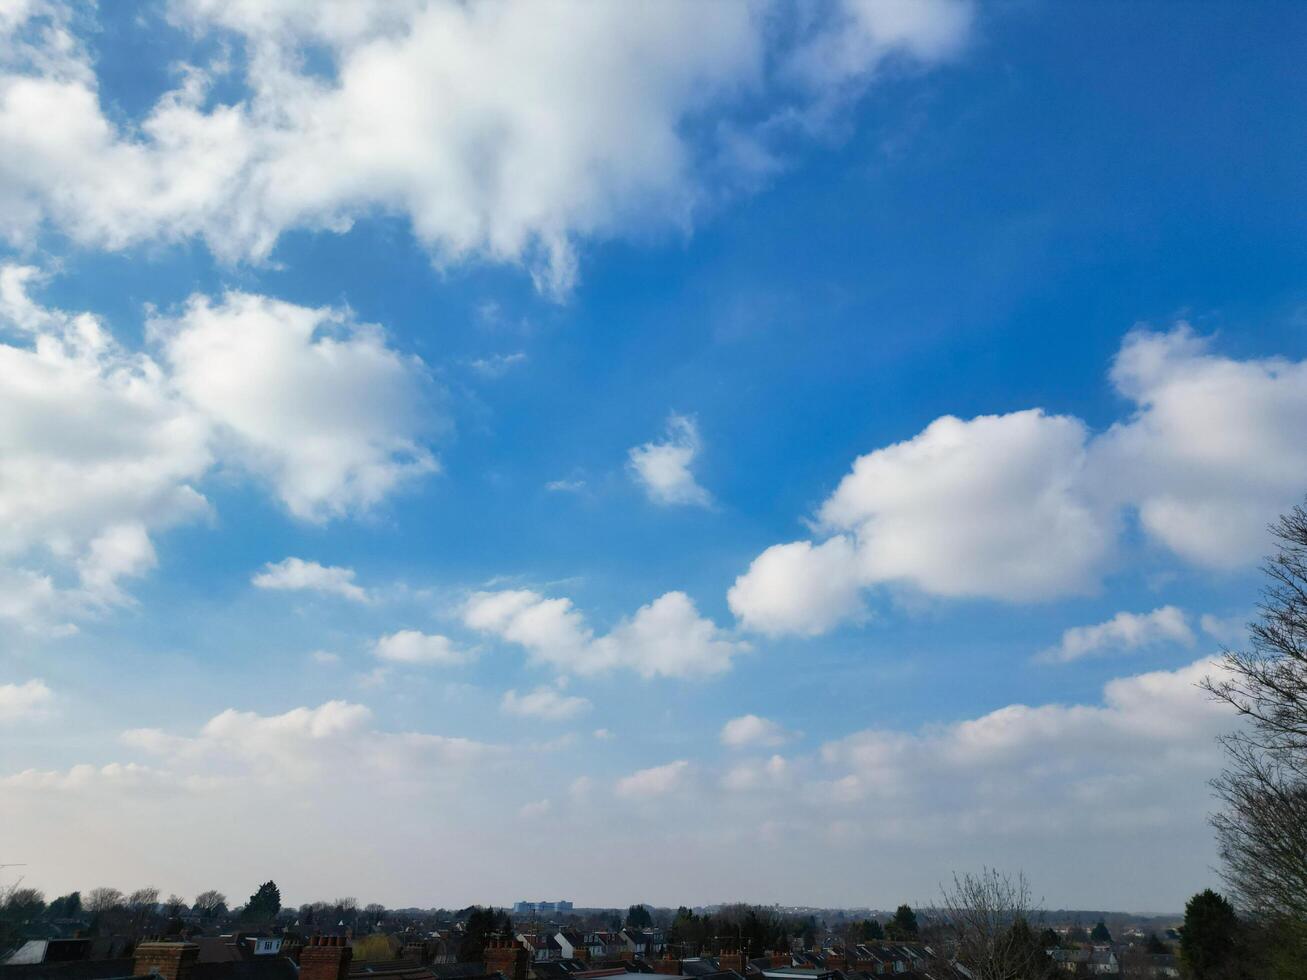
(110, 911)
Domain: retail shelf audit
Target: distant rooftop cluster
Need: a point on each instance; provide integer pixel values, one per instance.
(544, 954)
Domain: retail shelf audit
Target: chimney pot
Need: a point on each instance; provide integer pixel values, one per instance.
(171, 961)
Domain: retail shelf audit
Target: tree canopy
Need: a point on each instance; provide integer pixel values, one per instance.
(903, 926)
(638, 917)
(482, 925)
(264, 904)
(1209, 939)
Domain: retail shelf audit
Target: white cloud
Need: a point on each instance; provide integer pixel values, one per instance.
(304, 743)
(415, 647)
(293, 574)
(501, 132)
(1124, 631)
(800, 588)
(1029, 506)
(667, 637)
(774, 773)
(1213, 453)
(1228, 630)
(102, 447)
(535, 810)
(325, 770)
(1124, 775)
(565, 486)
(663, 468)
(1140, 757)
(24, 702)
(655, 781)
(545, 703)
(602, 733)
(304, 398)
(85, 780)
(95, 452)
(325, 657)
(497, 365)
(987, 507)
(750, 730)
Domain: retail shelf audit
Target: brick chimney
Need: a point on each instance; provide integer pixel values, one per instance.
(779, 959)
(171, 961)
(506, 956)
(325, 958)
(416, 949)
(731, 960)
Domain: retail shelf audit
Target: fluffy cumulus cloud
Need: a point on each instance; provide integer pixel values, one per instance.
(296, 574)
(666, 638)
(1124, 632)
(1124, 773)
(1137, 760)
(505, 132)
(96, 451)
(24, 702)
(991, 506)
(546, 703)
(319, 770)
(654, 782)
(662, 469)
(1029, 506)
(800, 588)
(415, 647)
(772, 774)
(751, 730)
(304, 743)
(101, 447)
(1214, 451)
(317, 405)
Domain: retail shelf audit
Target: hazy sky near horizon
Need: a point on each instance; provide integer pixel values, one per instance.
(669, 452)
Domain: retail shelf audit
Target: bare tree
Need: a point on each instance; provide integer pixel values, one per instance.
(174, 906)
(987, 922)
(24, 899)
(210, 903)
(143, 898)
(16, 904)
(103, 900)
(1262, 830)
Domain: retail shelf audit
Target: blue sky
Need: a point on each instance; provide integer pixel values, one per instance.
(391, 301)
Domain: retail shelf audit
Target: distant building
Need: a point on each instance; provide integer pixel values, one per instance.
(525, 908)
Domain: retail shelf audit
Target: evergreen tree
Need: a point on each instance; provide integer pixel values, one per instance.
(903, 926)
(482, 926)
(1100, 933)
(264, 904)
(66, 906)
(871, 930)
(1209, 940)
(638, 917)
